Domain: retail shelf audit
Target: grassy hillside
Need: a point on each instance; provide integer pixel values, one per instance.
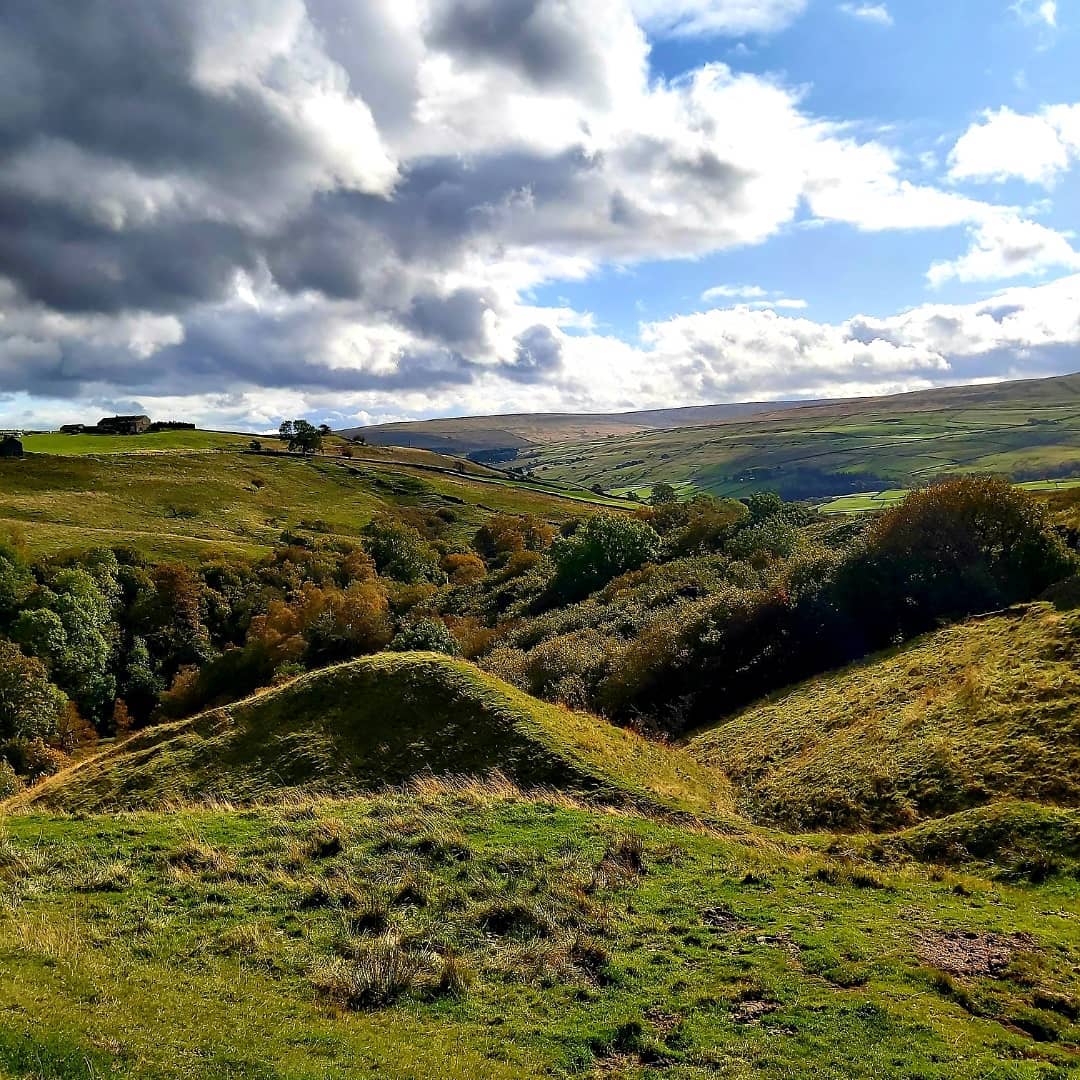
(468, 434)
(376, 721)
(191, 506)
(1028, 430)
(979, 711)
(472, 932)
(75, 445)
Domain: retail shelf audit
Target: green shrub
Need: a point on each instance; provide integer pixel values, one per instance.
(605, 546)
(426, 635)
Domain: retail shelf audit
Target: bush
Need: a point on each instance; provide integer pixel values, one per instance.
(426, 635)
(30, 705)
(959, 547)
(10, 784)
(399, 551)
(605, 546)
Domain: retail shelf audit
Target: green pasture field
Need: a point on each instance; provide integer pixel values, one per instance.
(55, 443)
(882, 500)
(465, 931)
(194, 506)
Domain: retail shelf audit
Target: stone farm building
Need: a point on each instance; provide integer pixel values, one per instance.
(123, 425)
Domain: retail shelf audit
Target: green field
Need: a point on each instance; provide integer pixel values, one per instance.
(194, 505)
(1025, 430)
(882, 500)
(55, 443)
(468, 930)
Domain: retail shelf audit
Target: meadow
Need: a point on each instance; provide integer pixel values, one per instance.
(473, 929)
(196, 506)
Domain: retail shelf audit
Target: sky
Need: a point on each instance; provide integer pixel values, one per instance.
(358, 211)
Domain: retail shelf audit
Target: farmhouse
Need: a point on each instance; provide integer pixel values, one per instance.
(123, 425)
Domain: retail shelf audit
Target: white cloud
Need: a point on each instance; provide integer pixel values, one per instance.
(685, 18)
(1007, 145)
(737, 292)
(1008, 247)
(875, 13)
(753, 296)
(1039, 12)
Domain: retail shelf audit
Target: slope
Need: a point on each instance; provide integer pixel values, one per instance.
(377, 721)
(194, 506)
(985, 710)
(1027, 430)
(517, 431)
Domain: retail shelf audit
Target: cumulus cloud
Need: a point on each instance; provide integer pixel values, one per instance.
(874, 13)
(685, 18)
(1006, 145)
(343, 205)
(1008, 247)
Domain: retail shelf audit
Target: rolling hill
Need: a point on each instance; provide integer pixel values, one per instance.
(183, 504)
(376, 721)
(514, 432)
(1027, 430)
(985, 710)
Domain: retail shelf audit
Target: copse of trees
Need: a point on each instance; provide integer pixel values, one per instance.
(299, 435)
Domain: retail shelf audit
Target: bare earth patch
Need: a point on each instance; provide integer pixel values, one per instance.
(968, 953)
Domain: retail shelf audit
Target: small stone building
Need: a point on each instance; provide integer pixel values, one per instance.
(123, 425)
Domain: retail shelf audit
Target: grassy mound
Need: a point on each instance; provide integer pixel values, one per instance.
(985, 710)
(376, 721)
(1021, 839)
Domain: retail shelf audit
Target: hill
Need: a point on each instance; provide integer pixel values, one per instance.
(376, 721)
(481, 435)
(984, 710)
(187, 505)
(1027, 430)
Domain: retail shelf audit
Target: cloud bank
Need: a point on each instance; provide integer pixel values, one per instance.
(342, 208)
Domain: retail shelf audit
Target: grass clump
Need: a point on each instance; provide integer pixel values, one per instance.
(377, 973)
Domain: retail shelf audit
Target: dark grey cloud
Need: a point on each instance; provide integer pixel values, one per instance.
(546, 41)
(457, 319)
(538, 355)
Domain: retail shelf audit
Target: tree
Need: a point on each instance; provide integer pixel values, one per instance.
(663, 493)
(605, 546)
(16, 581)
(464, 569)
(41, 633)
(324, 430)
(302, 436)
(954, 548)
(285, 432)
(30, 705)
(255, 446)
(399, 551)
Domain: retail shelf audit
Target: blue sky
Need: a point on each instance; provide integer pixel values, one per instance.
(366, 210)
(916, 82)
